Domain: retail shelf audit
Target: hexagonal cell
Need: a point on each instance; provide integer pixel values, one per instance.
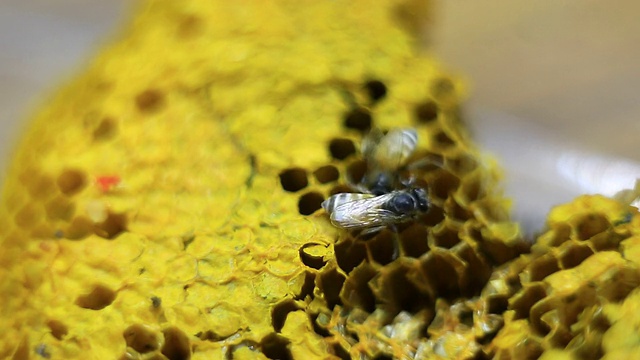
(341, 149)
(150, 101)
(540, 268)
(350, 253)
(356, 171)
(522, 302)
(443, 141)
(440, 273)
(413, 241)
(383, 248)
(461, 164)
(478, 269)
(426, 111)
(40, 187)
(313, 255)
(280, 311)
(71, 181)
(293, 179)
(59, 208)
(455, 211)
(358, 119)
(444, 235)
(573, 254)
(112, 226)
(275, 346)
(310, 203)
(395, 290)
(58, 329)
(590, 225)
(329, 281)
(79, 228)
(356, 292)
(105, 130)
(326, 174)
(99, 298)
(141, 338)
(28, 216)
(376, 90)
(443, 184)
(607, 240)
(176, 344)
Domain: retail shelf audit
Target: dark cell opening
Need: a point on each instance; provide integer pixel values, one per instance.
(356, 171)
(71, 181)
(176, 344)
(280, 312)
(376, 90)
(444, 140)
(99, 298)
(275, 346)
(150, 101)
(106, 129)
(340, 149)
(326, 174)
(293, 179)
(58, 329)
(141, 338)
(330, 284)
(359, 119)
(426, 112)
(309, 203)
(112, 226)
(310, 260)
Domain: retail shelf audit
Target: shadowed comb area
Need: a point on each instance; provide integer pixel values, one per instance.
(166, 204)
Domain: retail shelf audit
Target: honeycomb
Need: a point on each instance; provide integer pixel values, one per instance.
(167, 205)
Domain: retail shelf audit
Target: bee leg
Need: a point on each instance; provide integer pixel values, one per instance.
(396, 242)
(371, 230)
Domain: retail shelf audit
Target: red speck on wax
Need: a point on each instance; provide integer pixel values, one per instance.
(106, 183)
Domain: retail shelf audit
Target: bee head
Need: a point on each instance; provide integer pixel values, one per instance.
(421, 197)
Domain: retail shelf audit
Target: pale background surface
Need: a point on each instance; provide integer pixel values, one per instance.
(556, 84)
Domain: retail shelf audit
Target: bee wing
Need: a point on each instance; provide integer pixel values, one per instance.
(336, 200)
(363, 213)
(395, 148)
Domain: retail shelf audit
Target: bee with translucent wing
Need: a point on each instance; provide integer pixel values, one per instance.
(372, 213)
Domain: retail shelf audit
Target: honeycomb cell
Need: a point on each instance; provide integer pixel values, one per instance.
(58, 329)
(350, 253)
(79, 228)
(28, 216)
(294, 179)
(60, 208)
(112, 226)
(326, 174)
(141, 338)
(189, 26)
(413, 241)
(150, 101)
(313, 255)
(376, 90)
(310, 203)
(275, 346)
(396, 290)
(329, 281)
(540, 268)
(461, 164)
(443, 141)
(522, 302)
(40, 187)
(440, 273)
(590, 225)
(341, 149)
(444, 235)
(384, 247)
(107, 129)
(358, 119)
(443, 185)
(71, 181)
(99, 298)
(356, 292)
(356, 171)
(176, 344)
(156, 302)
(572, 255)
(426, 112)
(280, 311)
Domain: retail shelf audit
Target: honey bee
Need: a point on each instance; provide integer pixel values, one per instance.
(371, 213)
(385, 155)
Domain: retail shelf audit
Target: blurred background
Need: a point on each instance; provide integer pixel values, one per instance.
(554, 84)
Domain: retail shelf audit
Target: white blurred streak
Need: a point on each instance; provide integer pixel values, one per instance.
(595, 173)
